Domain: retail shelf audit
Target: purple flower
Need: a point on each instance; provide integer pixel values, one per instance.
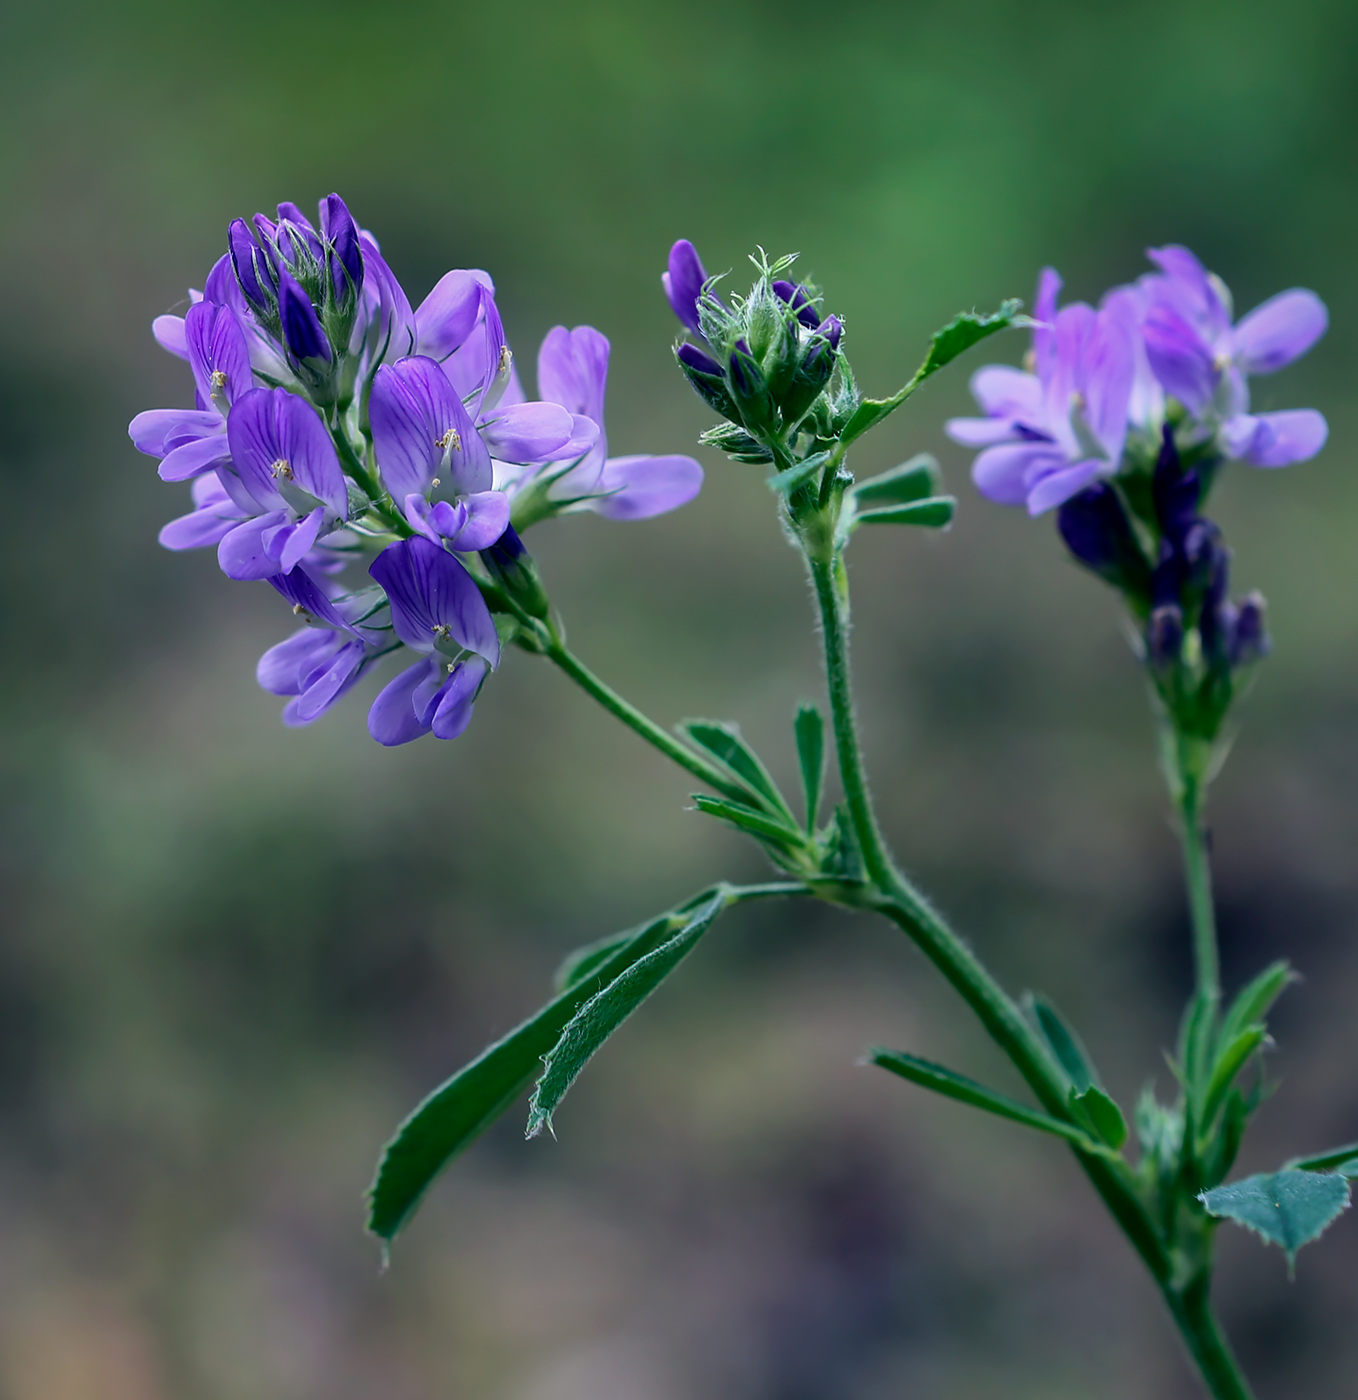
(213, 517)
(324, 659)
(436, 609)
(1049, 435)
(288, 471)
(683, 283)
(1203, 360)
(573, 373)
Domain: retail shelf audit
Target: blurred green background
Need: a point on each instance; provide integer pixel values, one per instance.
(233, 956)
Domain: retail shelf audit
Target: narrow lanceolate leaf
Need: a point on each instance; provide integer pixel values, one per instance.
(725, 743)
(468, 1103)
(1102, 1111)
(607, 1009)
(1255, 1000)
(809, 727)
(766, 828)
(579, 963)
(1062, 1041)
(968, 1091)
(933, 513)
(790, 478)
(1325, 1161)
(912, 481)
(867, 415)
(1289, 1208)
(1231, 1060)
(965, 331)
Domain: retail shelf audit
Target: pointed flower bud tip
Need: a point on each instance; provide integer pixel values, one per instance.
(1165, 636)
(683, 283)
(302, 332)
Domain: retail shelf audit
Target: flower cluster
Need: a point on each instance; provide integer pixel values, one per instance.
(332, 422)
(764, 363)
(1120, 422)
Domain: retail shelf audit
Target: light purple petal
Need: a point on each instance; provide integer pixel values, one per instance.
(1044, 313)
(282, 668)
(432, 594)
(1275, 439)
(169, 334)
(1188, 284)
(392, 719)
(1182, 361)
(278, 442)
(158, 431)
(216, 346)
(243, 554)
(487, 514)
(527, 432)
(1002, 474)
(1107, 385)
(446, 316)
(640, 487)
(324, 686)
(573, 370)
(300, 539)
(1005, 392)
(1056, 488)
(192, 459)
(216, 514)
(302, 591)
(454, 710)
(981, 432)
(388, 322)
(1284, 328)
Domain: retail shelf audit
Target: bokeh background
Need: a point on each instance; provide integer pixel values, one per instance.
(233, 956)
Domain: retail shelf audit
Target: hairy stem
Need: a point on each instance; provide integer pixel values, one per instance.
(1198, 874)
(1192, 1310)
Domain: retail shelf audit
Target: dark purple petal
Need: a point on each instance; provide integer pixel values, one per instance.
(302, 332)
(527, 432)
(692, 358)
(683, 283)
(218, 354)
(248, 264)
(169, 334)
(445, 317)
(794, 295)
(1284, 328)
(418, 422)
(456, 698)
(392, 719)
(1182, 361)
(386, 324)
(434, 599)
(1165, 635)
(346, 261)
(1249, 642)
(300, 538)
(639, 487)
(304, 593)
(280, 446)
(1275, 439)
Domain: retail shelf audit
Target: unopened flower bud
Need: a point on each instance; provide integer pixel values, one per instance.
(302, 333)
(1165, 636)
(1097, 532)
(683, 283)
(343, 257)
(1250, 642)
(705, 374)
(794, 294)
(749, 389)
(248, 265)
(512, 567)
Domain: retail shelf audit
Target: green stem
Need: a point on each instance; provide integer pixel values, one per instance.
(639, 723)
(1198, 873)
(1192, 1310)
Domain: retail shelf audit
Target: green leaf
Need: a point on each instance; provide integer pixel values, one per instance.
(1103, 1112)
(464, 1106)
(955, 1086)
(1325, 1161)
(901, 486)
(965, 331)
(1063, 1043)
(1229, 1063)
(1254, 1001)
(606, 1010)
(1348, 1169)
(843, 855)
(750, 821)
(790, 478)
(933, 513)
(1195, 1042)
(809, 727)
(579, 963)
(867, 415)
(725, 744)
(1225, 1145)
(1289, 1208)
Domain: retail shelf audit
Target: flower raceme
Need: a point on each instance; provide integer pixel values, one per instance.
(333, 424)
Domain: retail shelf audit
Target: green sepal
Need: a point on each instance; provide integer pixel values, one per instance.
(809, 728)
(1063, 1043)
(749, 820)
(1324, 1161)
(934, 513)
(1103, 1114)
(1230, 1061)
(726, 744)
(1255, 1000)
(912, 481)
(1289, 1208)
(956, 1086)
(607, 1009)
(463, 1107)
